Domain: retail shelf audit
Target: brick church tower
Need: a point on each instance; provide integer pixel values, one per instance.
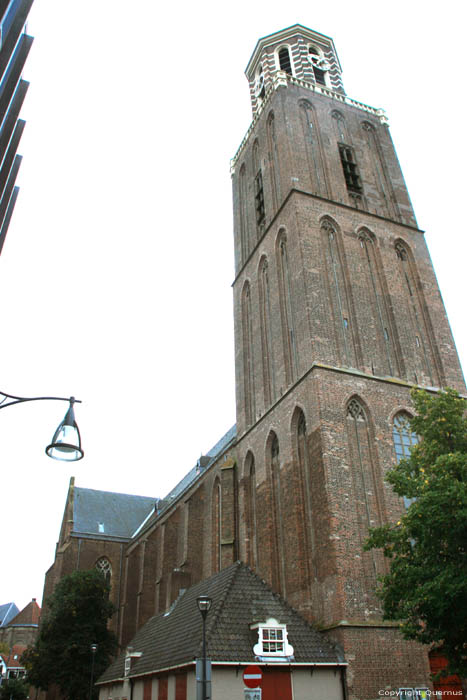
(337, 315)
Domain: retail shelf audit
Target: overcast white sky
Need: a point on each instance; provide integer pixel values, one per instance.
(115, 275)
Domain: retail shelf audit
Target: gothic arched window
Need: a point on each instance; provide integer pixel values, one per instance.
(339, 126)
(277, 569)
(307, 541)
(404, 439)
(319, 65)
(250, 473)
(285, 299)
(273, 160)
(284, 60)
(104, 566)
(216, 525)
(403, 435)
(367, 484)
(382, 180)
(339, 292)
(376, 311)
(424, 354)
(266, 334)
(244, 238)
(248, 358)
(313, 148)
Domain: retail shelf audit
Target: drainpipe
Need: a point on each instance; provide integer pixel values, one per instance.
(345, 693)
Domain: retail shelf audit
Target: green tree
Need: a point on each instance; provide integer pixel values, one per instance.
(426, 587)
(76, 617)
(14, 689)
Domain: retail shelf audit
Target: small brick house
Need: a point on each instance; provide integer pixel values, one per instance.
(246, 615)
(11, 666)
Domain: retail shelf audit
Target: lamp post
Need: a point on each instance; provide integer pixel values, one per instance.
(66, 442)
(204, 603)
(93, 656)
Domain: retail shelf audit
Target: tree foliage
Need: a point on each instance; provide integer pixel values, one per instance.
(76, 617)
(14, 689)
(426, 587)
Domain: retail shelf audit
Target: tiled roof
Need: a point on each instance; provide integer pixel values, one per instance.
(29, 615)
(7, 612)
(239, 598)
(105, 513)
(9, 659)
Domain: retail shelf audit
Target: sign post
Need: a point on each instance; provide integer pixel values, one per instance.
(252, 678)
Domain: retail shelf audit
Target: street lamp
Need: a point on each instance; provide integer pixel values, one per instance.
(93, 652)
(66, 442)
(204, 603)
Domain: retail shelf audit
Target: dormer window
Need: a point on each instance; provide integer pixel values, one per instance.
(272, 640)
(318, 64)
(131, 657)
(284, 60)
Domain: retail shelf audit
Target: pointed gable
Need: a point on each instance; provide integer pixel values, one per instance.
(108, 514)
(29, 615)
(239, 600)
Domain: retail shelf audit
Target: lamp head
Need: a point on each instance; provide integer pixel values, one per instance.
(66, 442)
(204, 603)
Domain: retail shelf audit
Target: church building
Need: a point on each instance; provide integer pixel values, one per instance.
(337, 316)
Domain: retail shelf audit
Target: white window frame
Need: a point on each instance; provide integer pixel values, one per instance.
(276, 58)
(272, 633)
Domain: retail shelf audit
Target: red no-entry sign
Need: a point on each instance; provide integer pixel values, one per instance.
(252, 676)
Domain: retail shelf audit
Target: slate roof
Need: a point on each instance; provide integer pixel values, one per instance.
(213, 453)
(240, 598)
(7, 613)
(28, 616)
(223, 442)
(120, 513)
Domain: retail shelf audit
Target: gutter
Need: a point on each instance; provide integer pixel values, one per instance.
(296, 664)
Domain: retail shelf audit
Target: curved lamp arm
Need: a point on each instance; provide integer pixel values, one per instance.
(19, 399)
(66, 442)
